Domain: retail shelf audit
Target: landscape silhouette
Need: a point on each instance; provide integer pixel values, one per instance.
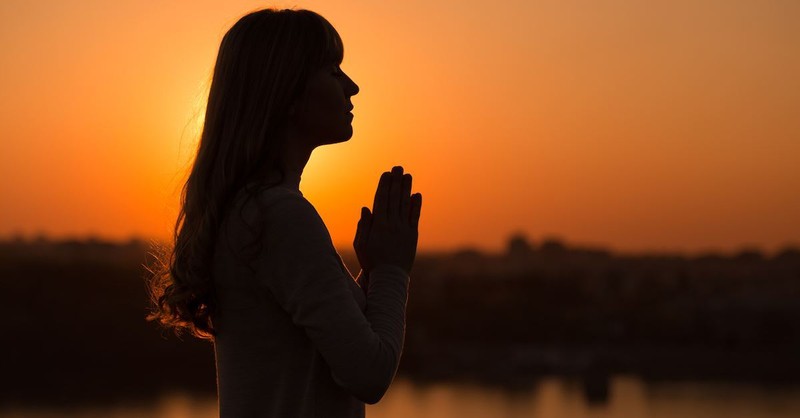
(75, 329)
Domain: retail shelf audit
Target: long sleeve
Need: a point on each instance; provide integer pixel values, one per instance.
(299, 266)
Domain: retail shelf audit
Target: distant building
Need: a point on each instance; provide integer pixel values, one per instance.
(518, 247)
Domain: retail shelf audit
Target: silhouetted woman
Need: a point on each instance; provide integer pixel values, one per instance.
(253, 267)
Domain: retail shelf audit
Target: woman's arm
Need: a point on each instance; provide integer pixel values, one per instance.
(299, 266)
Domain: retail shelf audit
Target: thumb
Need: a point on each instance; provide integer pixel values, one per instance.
(364, 224)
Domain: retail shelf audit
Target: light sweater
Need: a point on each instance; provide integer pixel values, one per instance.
(296, 335)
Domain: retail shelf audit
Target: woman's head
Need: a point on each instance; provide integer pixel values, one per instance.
(261, 72)
(269, 82)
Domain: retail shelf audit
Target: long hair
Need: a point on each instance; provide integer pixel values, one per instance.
(262, 67)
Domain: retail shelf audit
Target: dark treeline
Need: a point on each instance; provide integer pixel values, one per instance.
(555, 309)
(74, 329)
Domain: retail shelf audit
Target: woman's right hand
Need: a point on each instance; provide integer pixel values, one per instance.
(389, 234)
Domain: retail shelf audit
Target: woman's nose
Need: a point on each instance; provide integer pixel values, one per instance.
(352, 88)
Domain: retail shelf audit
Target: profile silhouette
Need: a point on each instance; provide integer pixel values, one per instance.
(253, 267)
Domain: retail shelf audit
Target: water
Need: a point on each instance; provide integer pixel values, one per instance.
(551, 398)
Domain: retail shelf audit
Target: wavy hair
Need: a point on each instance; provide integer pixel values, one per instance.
(262, 67)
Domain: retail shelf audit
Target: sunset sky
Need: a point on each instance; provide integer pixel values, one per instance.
(634, 125)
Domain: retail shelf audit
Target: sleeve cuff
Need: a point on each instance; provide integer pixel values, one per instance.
(389, 270)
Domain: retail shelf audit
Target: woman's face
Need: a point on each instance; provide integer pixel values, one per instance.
(323, 115)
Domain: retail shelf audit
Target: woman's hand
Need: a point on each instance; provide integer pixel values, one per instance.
(389, 234)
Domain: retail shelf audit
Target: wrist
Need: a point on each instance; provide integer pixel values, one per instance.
(391, 268)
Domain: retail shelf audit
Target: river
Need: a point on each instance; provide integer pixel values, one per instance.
(626, 397)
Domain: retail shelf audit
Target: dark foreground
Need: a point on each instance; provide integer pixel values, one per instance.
(74, 329)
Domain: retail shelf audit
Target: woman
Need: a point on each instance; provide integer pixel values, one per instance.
(253, 267)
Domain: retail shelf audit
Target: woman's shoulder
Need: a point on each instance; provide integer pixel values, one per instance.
(278, 193)
(281, 214)
(282, 201)
(276, 202)
(270, 212)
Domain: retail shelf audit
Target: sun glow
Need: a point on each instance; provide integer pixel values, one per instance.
(601, 124)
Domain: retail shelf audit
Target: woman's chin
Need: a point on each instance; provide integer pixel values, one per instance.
(344, 136)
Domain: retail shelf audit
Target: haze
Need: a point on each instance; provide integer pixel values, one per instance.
(640, 126)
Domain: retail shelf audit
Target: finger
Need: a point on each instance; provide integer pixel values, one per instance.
(364, 226)
(359, 229)
(395, 192)
(416, 209)
(379, 206)
(405, 198)
(367, 225)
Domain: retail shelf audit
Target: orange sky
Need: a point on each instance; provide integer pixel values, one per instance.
(633, 125)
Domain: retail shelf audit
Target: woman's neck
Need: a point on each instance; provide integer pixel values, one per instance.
(294, 160)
